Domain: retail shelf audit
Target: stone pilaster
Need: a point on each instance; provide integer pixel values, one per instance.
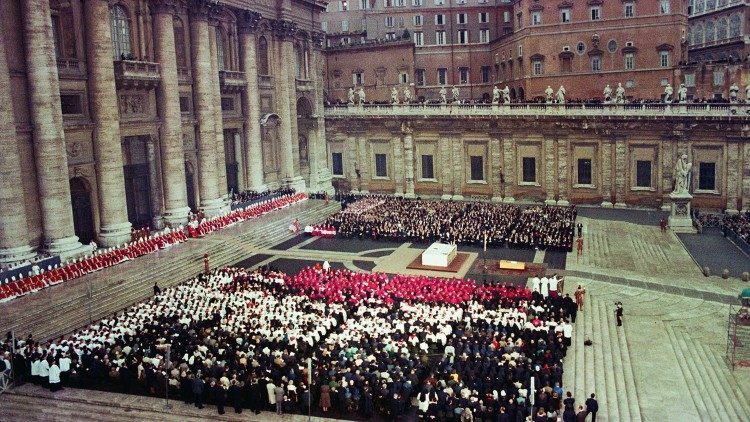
(239, 159)
(168, 102)
(563, 180)
(668, 159)
(221, 160)
(320, 174)
(496, 166)
(734, 173)
(550, 171)
(251, 101)
(155, 187)
(398, 167)
(203, 92)
(459, 176)
(14, 235)
(364, 164)
(621, 170)
(408, 132)
(114, 227)
(509, 160)
(351, 166)
(445, 161)
(606, 173)
(745, 174)
(53, 187)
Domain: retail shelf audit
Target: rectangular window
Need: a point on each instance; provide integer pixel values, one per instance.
(707, 176)
(463, 36)
(461, 18)
(439, 19)
(596, 13)
(596, 64)
(345, 25)
(439, 2)
(442, 76)
(343, 6)
(227, 104)
(418, 20)
(184, 104)
(690, 80)
(565, 15)
(664, 7)
(428, 172)
(400, 21)
(536, 18)
(439, 37)
(484, 36)
(418, 39)
(463, 75)
(337, 164)
(629, 10)
(416, 3)
(484, 17)
(643, 173)
(529, 169)
(718, 78)
(566, 65)
(358, 78)
(537, 68)
(629, 61)
(387, 3)
(403, 78)
(477, 167)
(419, 77)
(506, 16)
(664, 59)
(381, 165)
(71, 104)
(389, 21)
(324, 26)
(584, 171)
(364, 4)
(400, 3)
(390, 36)
(485, 74)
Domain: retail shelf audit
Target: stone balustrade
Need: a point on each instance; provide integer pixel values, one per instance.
(232, 81)
(537, 109)
(184, 75)
(304, 85)
(136, 74)
(69, 68)
(265, 81)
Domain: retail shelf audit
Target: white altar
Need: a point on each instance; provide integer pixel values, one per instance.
(439, 255)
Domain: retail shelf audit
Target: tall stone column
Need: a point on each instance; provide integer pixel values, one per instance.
(621, 169)
(168, 100)
(211, 200)
(238, 158)
(495, 166)
(221, 159)
(154, 180)
(562, 173)
(509, 162)
(350, 156)
(14, 235)
(251, 103)
(606, 173)
(445, 161)
(459, 174)
(734, 177)
(398, 168)
(287, 92)
(408, 132)
(43, 87)
(550, 175)
(115, 227)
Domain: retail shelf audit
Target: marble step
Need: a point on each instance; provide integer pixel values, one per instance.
(614, 393)
(722, 379)
(628, 384)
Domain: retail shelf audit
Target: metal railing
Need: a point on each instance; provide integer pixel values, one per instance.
(536, 109)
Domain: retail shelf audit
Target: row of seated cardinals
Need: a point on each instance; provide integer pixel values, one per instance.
(113, 256)
(219, 222)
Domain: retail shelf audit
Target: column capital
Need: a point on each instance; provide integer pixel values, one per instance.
(169, 7)
(248, 21)
(318, 39)
(205, 10)
(284, 29)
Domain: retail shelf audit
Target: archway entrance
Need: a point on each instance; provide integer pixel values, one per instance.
(83, 216)
(521, 94)
(137, 182)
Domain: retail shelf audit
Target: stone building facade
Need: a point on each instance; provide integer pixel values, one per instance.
(122, 113)
(621, 157)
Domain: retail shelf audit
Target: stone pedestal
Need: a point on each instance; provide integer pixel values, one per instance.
(679, 219)
(563, 202)
(509, 200)
(67, 247)
(497, 199)
(115, 234)
(550, 202)
(10, 256)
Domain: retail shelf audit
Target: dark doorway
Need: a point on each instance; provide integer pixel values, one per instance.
(137, 183)
(190, 184)
(521, 95)
(83, 217)
(233, 167)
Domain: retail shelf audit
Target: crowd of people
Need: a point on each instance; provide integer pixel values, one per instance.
(242, 339)
(393, 218)
(251, 195)
(41, 278)
(198, 228)
(737, 223)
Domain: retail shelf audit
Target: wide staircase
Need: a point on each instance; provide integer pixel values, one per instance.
(60, 309)
(604, 368)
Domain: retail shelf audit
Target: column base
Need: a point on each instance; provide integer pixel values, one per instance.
(259, 188)
(12, 256)
(732, 212)
(458, 197)
(496, 199)
(297, 183)
(409, 195)
(212, 207)
(563, 203)
(550, 202)
(114, 234)
(509, 200)
(620, 205)
(606, 204)
(67, 247)
(446, 197)
(176, 217)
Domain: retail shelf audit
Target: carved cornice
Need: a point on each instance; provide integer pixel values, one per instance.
(203, 9)
(664, 47)
(536, 7)
(565, 4)
(318, 39)
(249, 21)
(284, 28)
(169, 7)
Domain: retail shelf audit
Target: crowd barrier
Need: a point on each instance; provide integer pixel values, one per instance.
(739, 241)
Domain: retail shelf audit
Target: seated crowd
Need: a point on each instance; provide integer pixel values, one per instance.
(251, 195)
(393, 218)
(376, 342)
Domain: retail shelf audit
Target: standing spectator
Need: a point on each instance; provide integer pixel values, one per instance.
(270, 390)
(663, 225)
(580, 295)
(580, 229)
(220, 397)
(234, 395)
(157, 290)
(325, 397)
(198, 387)
(579, 244)
(256, 396)
(54, 377)
(581, 415)
(278, 393)
(618, 313)
(592, 406)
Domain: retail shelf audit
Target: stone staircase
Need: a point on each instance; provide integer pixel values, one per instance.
(715, 393)
(603, 368)
(63, 308)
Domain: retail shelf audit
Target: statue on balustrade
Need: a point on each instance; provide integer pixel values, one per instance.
(561, 95)
(506, 95)
(682, 93)
(443, 95)
(361, 95)
(620, 94)
(394, 95)
(668, 91)
(548, 93)
(607, 94)
(407, 95)
(681, 175)
(495, 95)
(456, 95)
(734, 92)
(351, 95)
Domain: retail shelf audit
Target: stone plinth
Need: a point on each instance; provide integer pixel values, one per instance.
(679, 219)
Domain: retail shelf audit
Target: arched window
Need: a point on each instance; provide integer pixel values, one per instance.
(179, 43)
(709, 32)
(698, 35)
(721, 29)
(120, 32)
(734, 26)
(263, 56)
(220, 56)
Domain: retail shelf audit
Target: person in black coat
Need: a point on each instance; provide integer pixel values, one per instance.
(234, 395)
(185, 388)
(592, 406)
(220, 397)
(256, 399)
(198, 388)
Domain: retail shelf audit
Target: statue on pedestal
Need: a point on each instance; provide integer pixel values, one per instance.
(681, 174)
(548, 93)
(668, 91)
(495, 95)
(394, 95)
(506, 95)
(682, 93)
(561, 95)
(607, 94)
(351, 95)
(456, 94)
(407, 95)
(734, 91)
(443, 95)
(361, 95)
(620, 94)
